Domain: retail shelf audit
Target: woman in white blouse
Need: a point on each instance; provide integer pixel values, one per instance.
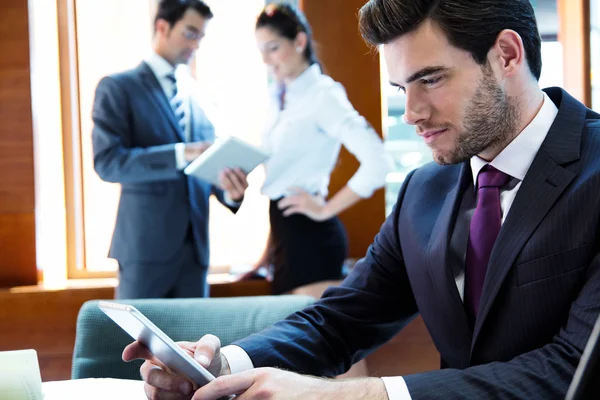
(309, 119)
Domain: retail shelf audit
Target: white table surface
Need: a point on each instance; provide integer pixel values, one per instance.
(94, 389)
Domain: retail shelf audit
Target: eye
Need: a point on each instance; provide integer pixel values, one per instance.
(191, 35)
(400, 89)
(432, 81)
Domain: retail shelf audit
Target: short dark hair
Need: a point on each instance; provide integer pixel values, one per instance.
(173, 10)
(288, 21)
(471, 26)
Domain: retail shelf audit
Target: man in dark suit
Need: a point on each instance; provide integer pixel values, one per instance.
(496, 244)
(147, 128)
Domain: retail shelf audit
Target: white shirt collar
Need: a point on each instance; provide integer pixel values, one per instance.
(159, 65)
(516, 158)
(310, 76)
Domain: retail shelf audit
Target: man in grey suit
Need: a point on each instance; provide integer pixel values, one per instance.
(146, 130)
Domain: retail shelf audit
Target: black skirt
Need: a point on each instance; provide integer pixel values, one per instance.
(305, 251)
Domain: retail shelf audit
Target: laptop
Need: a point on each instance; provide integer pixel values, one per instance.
(586, 381)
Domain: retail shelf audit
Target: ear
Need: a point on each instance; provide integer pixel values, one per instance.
(162, 27)
(508, 54)
(301, 41)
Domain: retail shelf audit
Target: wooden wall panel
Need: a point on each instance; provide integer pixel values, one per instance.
(45, 321)
(17, 195)
(574, 35)
(17, 233)
(348, 60)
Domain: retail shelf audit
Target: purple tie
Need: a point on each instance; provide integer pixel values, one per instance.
(484, 228)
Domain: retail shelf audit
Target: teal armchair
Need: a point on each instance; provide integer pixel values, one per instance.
(99, 341)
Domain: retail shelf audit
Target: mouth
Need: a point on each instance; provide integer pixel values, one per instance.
(431, 135)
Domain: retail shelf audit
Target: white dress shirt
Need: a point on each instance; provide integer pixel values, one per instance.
(161, 69)
(515, 161)
(304, 139)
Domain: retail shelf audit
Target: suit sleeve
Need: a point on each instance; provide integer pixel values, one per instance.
(223, 199)
(544, 373)
(372, 304)
(115, 158)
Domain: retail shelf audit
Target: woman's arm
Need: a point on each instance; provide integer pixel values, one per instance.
(338, 119)
(315, 207)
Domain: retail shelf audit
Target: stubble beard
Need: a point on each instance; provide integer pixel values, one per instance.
(491, 122)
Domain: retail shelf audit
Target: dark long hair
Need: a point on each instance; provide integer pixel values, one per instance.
(288, 22)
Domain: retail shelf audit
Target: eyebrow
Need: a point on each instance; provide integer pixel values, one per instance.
(269, 44)
(422, 73)
(192, 28)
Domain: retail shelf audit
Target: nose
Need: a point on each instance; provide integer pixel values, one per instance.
(416, 110)
(265, 58)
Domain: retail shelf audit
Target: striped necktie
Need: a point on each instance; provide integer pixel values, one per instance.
(177, 105)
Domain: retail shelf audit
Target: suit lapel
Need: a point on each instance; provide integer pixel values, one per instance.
(543, 184)
(157, 94)
(441, 273)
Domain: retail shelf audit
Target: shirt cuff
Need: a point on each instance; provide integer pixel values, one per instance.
(230, 202)
(363, 191)
(180, 160)
(238, 359)
(396, 388)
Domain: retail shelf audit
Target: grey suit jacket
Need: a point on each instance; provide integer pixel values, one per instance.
(541, 295)
(134, 140)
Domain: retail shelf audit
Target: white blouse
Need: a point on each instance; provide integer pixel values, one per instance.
(304, 139)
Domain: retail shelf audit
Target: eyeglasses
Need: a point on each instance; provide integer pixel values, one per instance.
(189, 34)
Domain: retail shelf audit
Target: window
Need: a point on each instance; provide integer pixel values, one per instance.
(126, 31)
(546, 12)
(50, 215)
(94, 38)
(230, 71)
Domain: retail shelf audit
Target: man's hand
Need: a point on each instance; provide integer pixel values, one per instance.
(302, 202)
(234, 183)
(162, 383)
(194, 149)
(274, 384)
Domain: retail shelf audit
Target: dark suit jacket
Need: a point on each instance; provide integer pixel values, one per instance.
(134, 140)
(540, 299)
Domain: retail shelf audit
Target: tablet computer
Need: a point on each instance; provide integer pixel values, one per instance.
(163, 347)
(230, 153)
